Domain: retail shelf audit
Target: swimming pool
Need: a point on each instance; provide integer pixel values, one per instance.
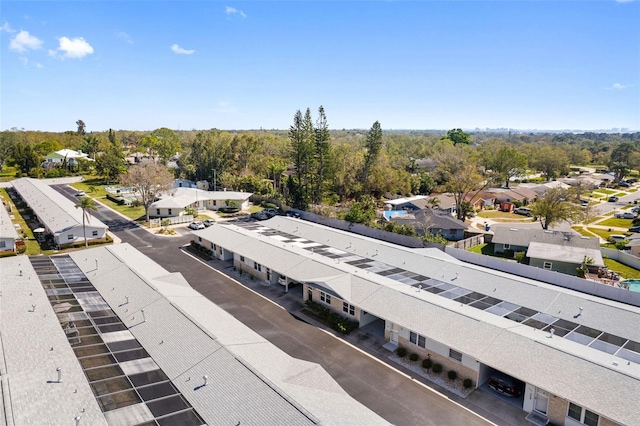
(633, 285)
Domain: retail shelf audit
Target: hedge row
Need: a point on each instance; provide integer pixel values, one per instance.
(336, 321)
(201, 248)
(428, 364)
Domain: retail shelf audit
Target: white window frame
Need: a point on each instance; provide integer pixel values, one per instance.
(348, 308)
(3, 244)
(325, 297)
(94, 233)
(169, 211)
(507, 246)
(70, 237)
(455, 355)
(242, 259)
(417, 339)
(547, 265)
(583, 414)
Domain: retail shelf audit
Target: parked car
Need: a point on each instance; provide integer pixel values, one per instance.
(291, 213)
(196, 225)
(523, 210)
(259, 216)
(209, 222)
(271, 212)
(625, 215)
(613, 199)
(505, 384)
(632, 181)
(80, 194)
(617, 238)
(635, 228)
(624, 185)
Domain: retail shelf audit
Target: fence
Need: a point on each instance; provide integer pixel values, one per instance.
(551, 277)
(622, 257)
(469, 242)
(173, 220)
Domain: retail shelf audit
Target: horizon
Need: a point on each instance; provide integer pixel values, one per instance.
(540, 67)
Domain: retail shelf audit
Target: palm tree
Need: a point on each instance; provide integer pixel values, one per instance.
(86, 203)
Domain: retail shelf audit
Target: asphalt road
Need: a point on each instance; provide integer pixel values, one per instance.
(395, 397)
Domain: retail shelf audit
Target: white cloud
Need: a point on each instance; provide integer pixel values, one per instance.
(6, 28)
(74, 48)
(233, 11)
(124, 36)
(180, 51)
(618, 86)
(23, 41)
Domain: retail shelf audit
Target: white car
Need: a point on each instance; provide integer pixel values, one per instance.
(625, 215)
(80, 194)
(196, 225)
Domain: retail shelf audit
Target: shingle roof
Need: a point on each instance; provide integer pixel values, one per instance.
(566, 254)
(524, 236)
(53, 209)
(7, 230)
(553, 364)
(427, 219)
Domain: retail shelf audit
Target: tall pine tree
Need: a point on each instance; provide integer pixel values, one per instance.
(322, 146)
(373, 146)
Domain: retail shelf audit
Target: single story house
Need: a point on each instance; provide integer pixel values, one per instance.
(562, 258)
(8, 233)
(481, 200)
(68, 155)
(518, 239)
(574, 353)
(175, 202)
(430, 221)
(57, 214)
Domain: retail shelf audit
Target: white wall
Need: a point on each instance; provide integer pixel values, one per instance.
(77, 236)
(9, 244)
(164, 212)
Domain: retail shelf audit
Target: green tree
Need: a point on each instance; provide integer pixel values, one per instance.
(25, 157)
(458, 137)
(148, 180)
(301, 138)
(554, 207)
(110, 164)
(86, 204)
(362, 211)
(82, 128)
(91, 145)
(548, 160)
(322, 147)
(505, 160)
(373, 146)
(167, 143)
(619, 160)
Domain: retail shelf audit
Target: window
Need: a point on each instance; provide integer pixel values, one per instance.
(350, 309)
(507, 246)
(70, 237)
(326, 298)
(3, 244)
(455, 355)
(241, 258)
(214, 202)
(417, 339)
(257, 266)
(213, 247)
(158, 212)
(169, 211)
(94, 233)
(200, 239)
(584, 416)
(547, 265)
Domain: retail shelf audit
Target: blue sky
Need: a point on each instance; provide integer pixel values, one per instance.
(141, 65)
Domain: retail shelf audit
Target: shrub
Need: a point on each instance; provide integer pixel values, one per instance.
(437, 368)
(427, 363)
(401, 352)
(452, 375)
(413, 357)
(467, 383)
(508, 253)
(336, 321)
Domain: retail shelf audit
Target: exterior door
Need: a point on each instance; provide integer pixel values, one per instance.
(310, 294)
(393, 335)
(541, 403)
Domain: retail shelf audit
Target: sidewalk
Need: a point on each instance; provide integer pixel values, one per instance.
(371, 343)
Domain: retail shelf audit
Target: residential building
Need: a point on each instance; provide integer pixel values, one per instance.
(563, 258)
(106, 336)
(70, 156)
(429, 221)
(57, 214)
(175, 202)
(575, 353)
(518, 239)
(8, 233)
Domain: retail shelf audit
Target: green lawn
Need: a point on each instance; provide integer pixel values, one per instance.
(479, 249)
(487, 250)
(580, 230)
(604, 191)
(625, 271)
(32, 246)
(91, 182)
(619, 223)
(495, 214)
(603, 233)
(133, 213)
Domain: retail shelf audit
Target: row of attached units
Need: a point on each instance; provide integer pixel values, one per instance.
(575, 358)
(58, 216)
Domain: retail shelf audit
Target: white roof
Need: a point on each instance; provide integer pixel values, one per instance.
(398, 201)
(33, 345)
(554, 364)
(559, 253)
(183, 197)
(251, 380)
(69, 153)
(7, 230)
(53, 209)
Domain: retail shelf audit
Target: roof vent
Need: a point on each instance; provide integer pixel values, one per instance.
(552, 332)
